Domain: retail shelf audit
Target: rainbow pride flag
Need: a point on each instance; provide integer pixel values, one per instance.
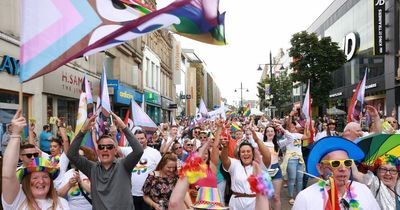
(235, 127)
(247, 111)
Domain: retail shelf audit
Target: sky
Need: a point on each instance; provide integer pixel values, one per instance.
(252, 29)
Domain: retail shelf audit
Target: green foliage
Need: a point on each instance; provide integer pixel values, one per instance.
(280, 87)
(314, 59)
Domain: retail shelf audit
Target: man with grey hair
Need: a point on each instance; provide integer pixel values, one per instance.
(353, 130)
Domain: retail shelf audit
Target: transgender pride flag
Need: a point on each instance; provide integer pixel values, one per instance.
(307, 111)
(357, 101)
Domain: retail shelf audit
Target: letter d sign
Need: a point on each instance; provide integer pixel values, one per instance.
(379, 2)
(350, 45)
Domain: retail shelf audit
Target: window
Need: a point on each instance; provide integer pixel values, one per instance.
(148, 70)
(108, 64)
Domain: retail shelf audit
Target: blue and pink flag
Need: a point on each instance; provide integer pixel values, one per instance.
(55, 32)
(141, 119)
(357, 102)
(104, 107)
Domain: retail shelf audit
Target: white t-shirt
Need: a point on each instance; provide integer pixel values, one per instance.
(239, 175)
(312, 198)
(63, 163)
(20, 202)
(75, 198)
(274, 154)
(295, 146)
(148, 163)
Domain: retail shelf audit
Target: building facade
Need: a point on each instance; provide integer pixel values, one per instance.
(368, 32)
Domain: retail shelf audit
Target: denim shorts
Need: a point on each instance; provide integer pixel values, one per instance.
(278, 175)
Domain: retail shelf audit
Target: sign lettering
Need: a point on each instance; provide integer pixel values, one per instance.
(379, 27)
(350, 45)
(10, 64)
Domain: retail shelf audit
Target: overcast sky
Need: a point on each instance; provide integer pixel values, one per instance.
(253, 28)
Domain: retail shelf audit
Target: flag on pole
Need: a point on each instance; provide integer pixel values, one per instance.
(83, 113)
(141, 119)
(357, 101)
(307, 111)
(247, 111)
(104, 107)
(203, 108)
(128, 121)
(235, 127)
(55, 32)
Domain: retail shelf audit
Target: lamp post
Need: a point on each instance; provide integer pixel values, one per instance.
(241, 93)
(270, 74)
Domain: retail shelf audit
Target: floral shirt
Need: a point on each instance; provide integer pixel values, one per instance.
(159, 188)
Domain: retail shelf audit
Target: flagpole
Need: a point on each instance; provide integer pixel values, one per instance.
(20, 95)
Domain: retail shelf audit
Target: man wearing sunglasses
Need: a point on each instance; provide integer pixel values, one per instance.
(332, 158)
(110, 177)
(28, 152)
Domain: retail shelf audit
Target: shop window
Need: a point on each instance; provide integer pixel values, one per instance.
(109, 63)
(67, 111)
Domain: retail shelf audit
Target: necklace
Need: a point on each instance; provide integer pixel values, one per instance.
(350, 195)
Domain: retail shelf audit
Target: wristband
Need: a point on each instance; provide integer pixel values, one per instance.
(15, 136)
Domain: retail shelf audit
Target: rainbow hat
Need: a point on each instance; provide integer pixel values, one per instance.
(208, 198)
(37, 165)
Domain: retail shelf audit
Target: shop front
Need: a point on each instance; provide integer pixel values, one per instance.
(9, 92)
(62, 89)
(168, 106)
(153, 106)
(122, 96)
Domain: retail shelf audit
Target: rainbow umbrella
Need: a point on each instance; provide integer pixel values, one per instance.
(377, 145)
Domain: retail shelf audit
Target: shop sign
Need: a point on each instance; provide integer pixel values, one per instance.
(10, 65)
(68, 82)
(373, 85)
(379, 27)
(351, 43)
(153, 98)
(168, 104)
(124, 95)
(335, 94)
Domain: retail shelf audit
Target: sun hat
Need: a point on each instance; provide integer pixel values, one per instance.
(330, 144)
(39, 164)
(208, 198)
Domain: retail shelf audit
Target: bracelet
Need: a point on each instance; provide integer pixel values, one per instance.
(15, 136)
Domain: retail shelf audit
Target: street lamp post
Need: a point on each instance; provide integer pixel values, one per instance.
(270, 74)
(241, 93)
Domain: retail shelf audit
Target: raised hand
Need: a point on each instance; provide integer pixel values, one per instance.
(117, 121)
(89, 124)
(17, 123)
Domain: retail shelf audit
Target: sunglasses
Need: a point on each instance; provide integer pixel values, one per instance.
(203, 137)
(189, 145)
(385, 170)
(336, 163)
(392, 122)
(30, 155)
(105, 146)
(178, 148)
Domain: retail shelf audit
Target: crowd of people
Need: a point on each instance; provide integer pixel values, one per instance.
(236, 163)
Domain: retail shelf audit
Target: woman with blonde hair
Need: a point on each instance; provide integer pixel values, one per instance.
(37, 189)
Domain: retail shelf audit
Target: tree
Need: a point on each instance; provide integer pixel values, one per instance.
(280, 87)
(314, 59)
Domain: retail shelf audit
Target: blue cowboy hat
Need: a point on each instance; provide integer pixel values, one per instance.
(330, 144)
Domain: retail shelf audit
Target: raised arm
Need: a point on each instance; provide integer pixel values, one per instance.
(133, 158)
(215, 147)
(226, 162)
(81, 163)
(266, 155)
(178, 195)
(165, 146)
(64, 137)
(375, 116)
(10, 184)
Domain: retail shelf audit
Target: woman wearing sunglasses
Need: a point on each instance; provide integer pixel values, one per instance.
(36, 190)
(383, 181)
(110, 177)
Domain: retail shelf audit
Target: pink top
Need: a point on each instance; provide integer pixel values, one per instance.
(209, 181)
